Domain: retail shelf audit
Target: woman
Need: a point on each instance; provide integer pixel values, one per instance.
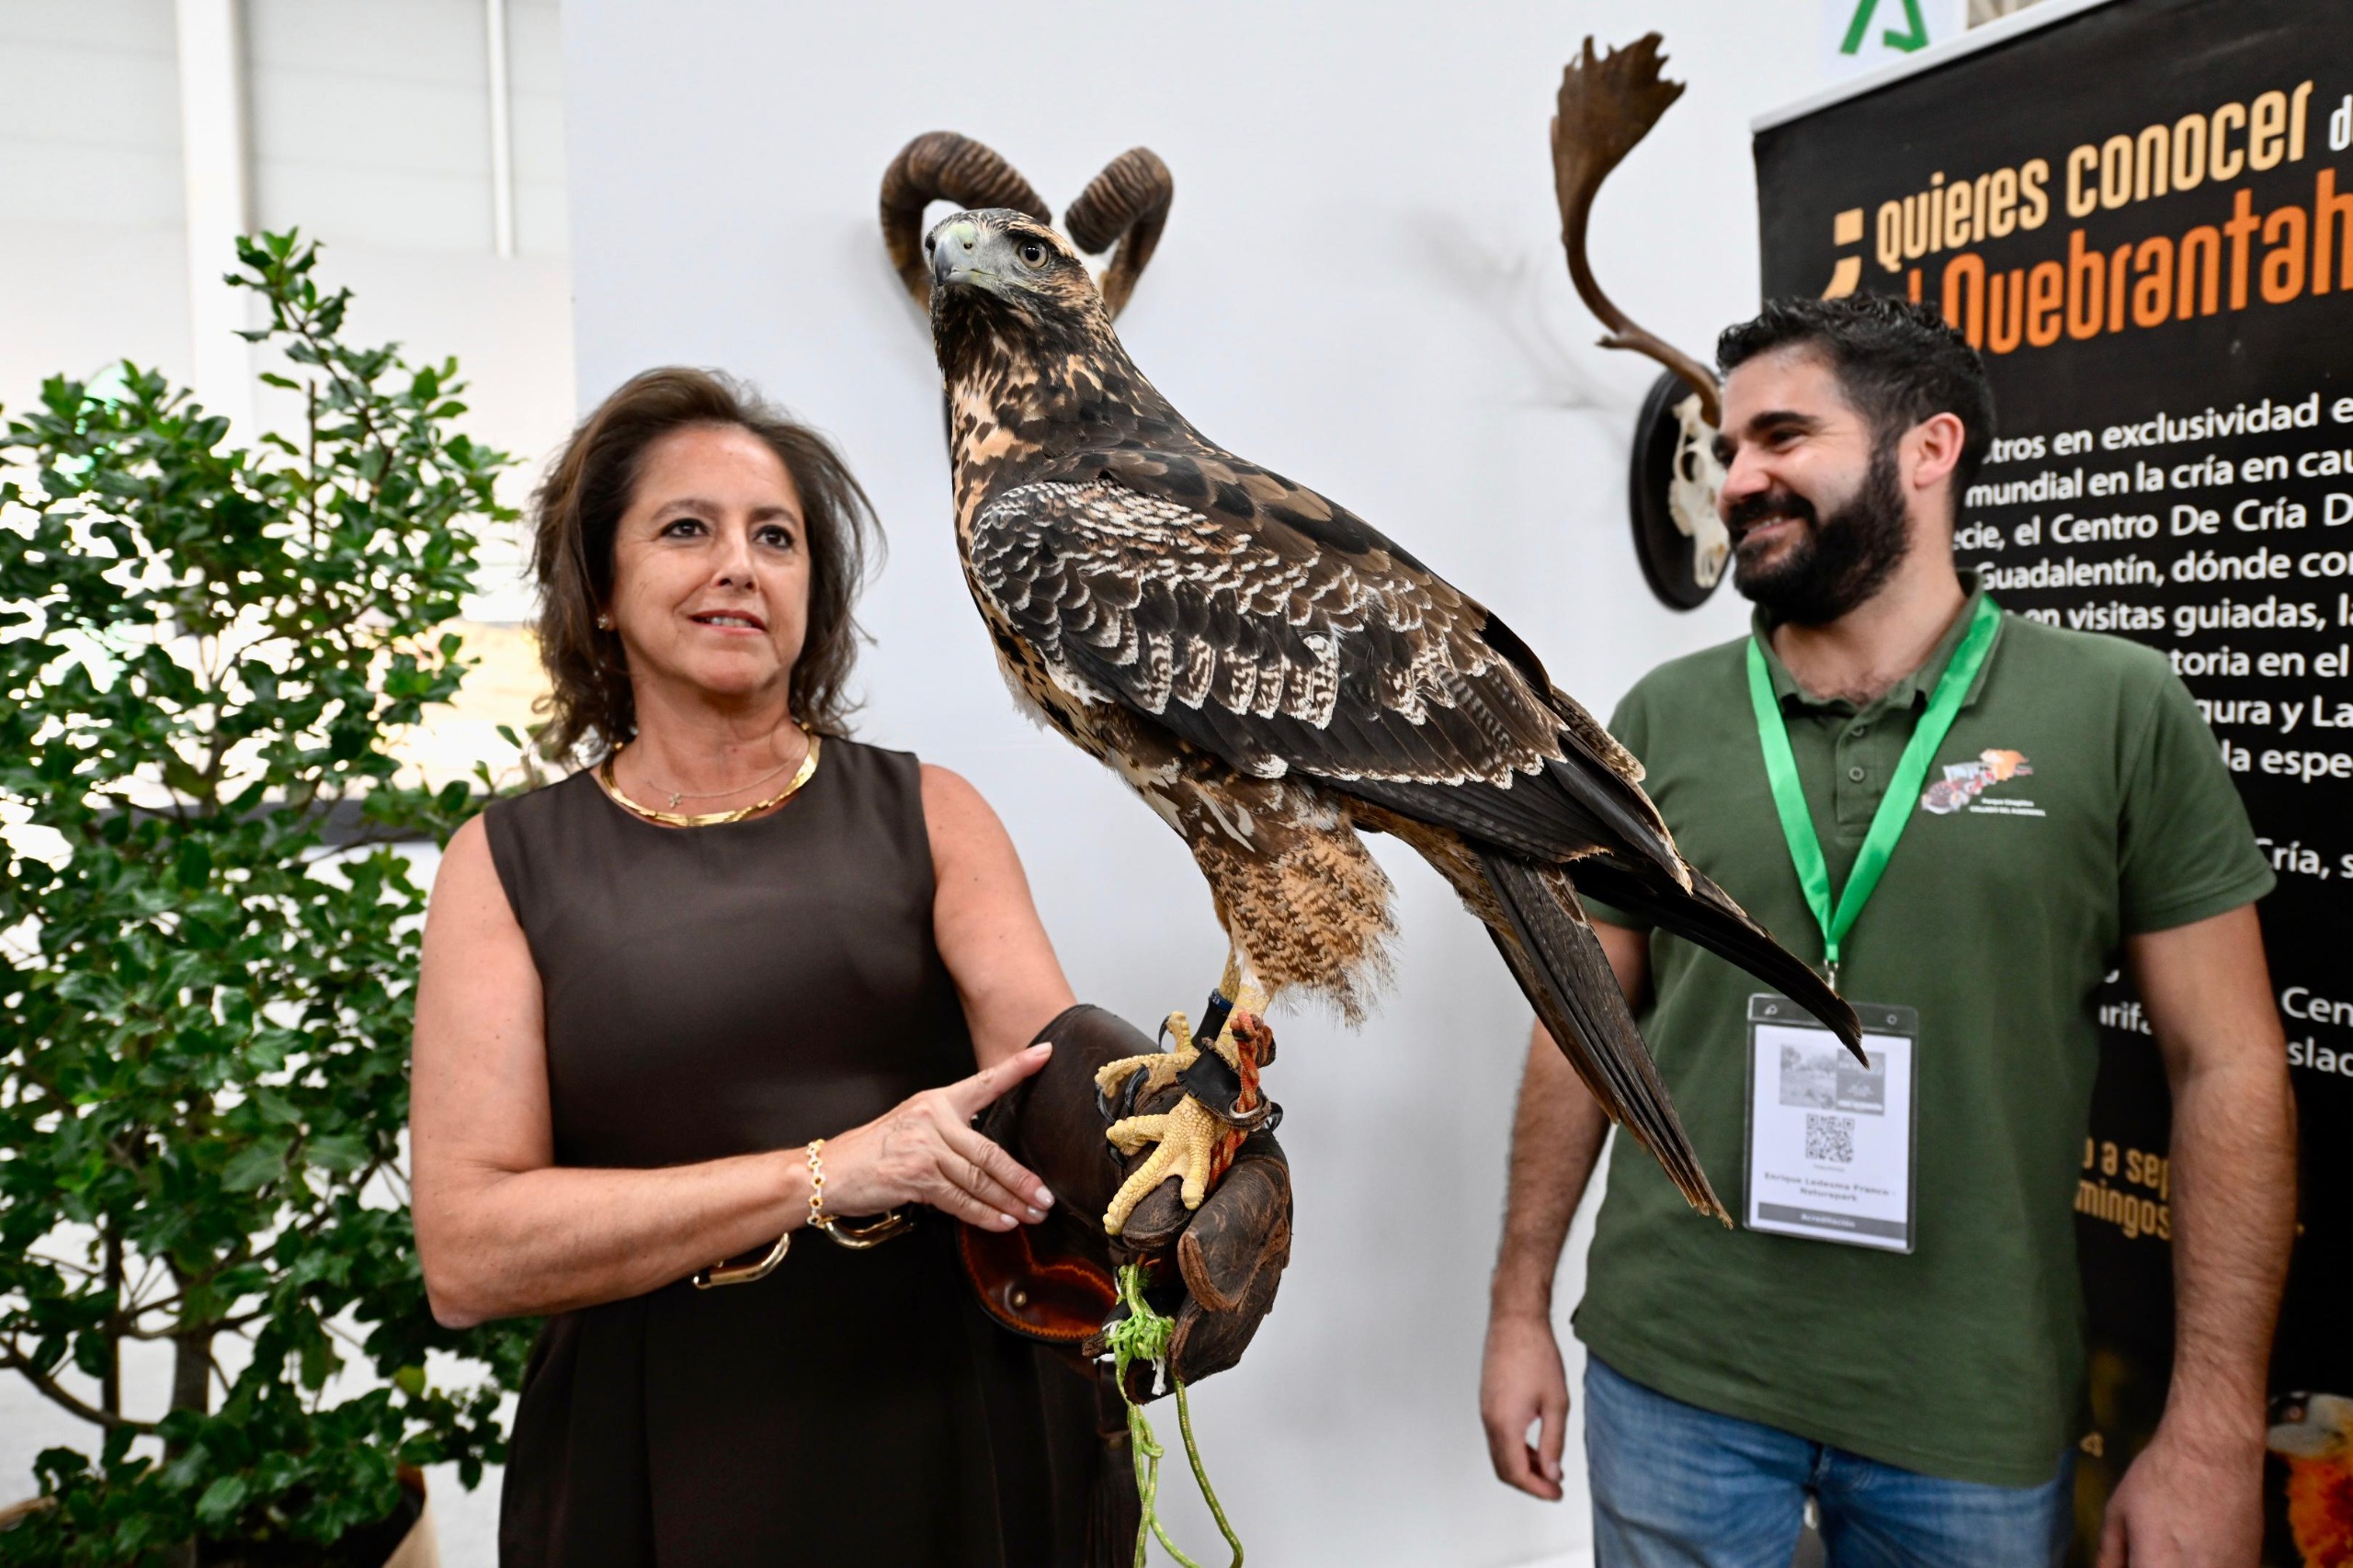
(648, 989)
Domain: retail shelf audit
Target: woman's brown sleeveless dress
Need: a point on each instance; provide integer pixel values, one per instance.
(718, 991)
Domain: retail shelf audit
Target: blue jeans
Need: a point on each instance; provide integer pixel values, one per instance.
(1674, 1486)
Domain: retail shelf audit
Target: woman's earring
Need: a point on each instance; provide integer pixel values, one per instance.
(604, 622)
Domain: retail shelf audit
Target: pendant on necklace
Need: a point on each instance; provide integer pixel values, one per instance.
(675, 798)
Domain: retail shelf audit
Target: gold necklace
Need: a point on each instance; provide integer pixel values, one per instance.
(678, 795)
(709, 819)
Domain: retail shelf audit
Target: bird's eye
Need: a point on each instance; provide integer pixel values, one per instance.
(930, 243)
(1033, 254)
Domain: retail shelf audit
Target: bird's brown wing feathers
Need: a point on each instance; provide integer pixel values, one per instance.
(1282, 639)
(1281, 633)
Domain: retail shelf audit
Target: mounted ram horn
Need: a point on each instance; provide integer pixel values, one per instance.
(1126, 203)
(1607, 105)
(940, 165)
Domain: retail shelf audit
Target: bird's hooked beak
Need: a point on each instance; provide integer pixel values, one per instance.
(960, 252)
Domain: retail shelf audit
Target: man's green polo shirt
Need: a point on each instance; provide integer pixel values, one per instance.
(2077, 799)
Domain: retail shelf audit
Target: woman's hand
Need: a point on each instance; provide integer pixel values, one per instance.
(924, 1151)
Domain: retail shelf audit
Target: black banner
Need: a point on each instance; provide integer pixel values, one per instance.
(2142, 215)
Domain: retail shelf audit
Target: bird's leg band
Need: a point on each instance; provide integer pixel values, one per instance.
(1229, 1091)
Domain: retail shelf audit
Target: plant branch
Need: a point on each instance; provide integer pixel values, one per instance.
(57, 1394)
(111, 1386)
(230, 1324)
(84, 1269)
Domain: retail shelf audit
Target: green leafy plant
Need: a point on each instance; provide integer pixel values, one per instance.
(208, 940)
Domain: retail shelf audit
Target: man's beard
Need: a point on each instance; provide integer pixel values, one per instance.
(1839, 562)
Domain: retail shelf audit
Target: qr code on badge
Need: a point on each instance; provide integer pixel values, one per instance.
(1830, 1138)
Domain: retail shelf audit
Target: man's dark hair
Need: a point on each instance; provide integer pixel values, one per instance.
(1897, 363)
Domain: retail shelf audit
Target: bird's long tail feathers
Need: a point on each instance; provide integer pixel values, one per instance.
(1623, 810)
(1708, 916)
(1559, 964)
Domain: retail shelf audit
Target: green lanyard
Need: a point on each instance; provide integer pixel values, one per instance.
(1894, 808)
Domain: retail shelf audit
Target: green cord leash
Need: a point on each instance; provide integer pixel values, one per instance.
(1143, 1336)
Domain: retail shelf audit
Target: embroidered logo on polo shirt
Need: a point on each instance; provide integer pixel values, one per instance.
(1965, 783)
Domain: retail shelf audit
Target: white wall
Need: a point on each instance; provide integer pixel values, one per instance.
(90, 190)
(368, 127)
(370, 123)
(1361, 287)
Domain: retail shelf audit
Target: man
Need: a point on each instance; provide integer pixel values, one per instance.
(1893, 1329)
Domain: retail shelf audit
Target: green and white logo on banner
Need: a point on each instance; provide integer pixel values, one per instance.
(1863, 35)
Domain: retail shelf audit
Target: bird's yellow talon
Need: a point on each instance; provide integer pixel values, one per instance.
(1130, 1136)
(1160, 1069)
(1187, 1138)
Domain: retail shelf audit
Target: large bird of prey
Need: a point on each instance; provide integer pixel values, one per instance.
(1273, 676)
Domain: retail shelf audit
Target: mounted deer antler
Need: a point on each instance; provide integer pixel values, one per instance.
(1126, 205)
(1128, 202)
(1607, 106)
(942, 165)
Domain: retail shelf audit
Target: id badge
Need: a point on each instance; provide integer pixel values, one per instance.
(1831, 1144)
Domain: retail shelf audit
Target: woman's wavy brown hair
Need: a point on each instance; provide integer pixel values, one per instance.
(579, 505)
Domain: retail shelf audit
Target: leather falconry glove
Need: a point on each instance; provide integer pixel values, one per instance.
(1213, 1270)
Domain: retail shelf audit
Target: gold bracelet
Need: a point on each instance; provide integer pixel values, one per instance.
(817, 1185)
(719, 1273)
(856, 1238)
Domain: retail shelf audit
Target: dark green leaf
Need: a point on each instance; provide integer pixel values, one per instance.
(222, 1500)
